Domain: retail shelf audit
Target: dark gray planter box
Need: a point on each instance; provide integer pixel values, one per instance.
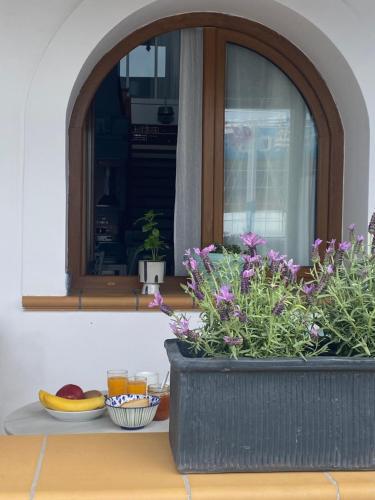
(272, 414)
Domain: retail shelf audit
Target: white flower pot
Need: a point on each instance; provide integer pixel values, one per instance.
(151, 273)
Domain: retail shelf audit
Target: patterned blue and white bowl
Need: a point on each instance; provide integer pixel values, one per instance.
(131, 418)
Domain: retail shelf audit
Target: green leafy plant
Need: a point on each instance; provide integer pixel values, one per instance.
(343, 295)
(256, 307)
(154, 242)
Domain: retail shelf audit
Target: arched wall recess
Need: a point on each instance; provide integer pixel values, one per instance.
(45, 152)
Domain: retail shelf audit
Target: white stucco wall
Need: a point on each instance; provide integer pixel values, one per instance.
(47, 49)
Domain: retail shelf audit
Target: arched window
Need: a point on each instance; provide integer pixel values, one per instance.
(217, 123)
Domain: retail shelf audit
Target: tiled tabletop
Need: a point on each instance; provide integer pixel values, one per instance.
(140, 467)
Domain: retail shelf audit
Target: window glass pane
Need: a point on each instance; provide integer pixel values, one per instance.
(270, 156)
(142, 61)
(131, 158)
(151, 69)
(161, 62)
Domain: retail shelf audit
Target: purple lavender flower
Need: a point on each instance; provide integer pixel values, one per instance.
(232, 340)
(293, 269)
(166, 310)
(279, 308)
(330, 251)
(274, 260)
(308, 289)
(175, 329)
(240, 314)
(203, 254)
(282, 268)
(184, 326)
(224, 295)
(196, 290)
(324, 278)
(255, 259)
(245, 280)
(205, 251)
(344, 246)
(158, 301)
(317, 243)
(315, 250)
(251, 240)
(351, 228)
(249, 273)
(192, 266)
(193, 335)
(330, 269)
(360, 238)
(180, 327)
(331, 247)
(358, 243)
(273, 255)
(371, 226)
(224, 310)
(250, 261)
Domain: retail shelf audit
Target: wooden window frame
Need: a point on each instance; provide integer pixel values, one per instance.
(218, 30)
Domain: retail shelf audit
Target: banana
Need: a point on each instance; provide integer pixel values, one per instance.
(62, 404)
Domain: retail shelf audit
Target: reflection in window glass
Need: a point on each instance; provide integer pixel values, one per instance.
(142, 62)
(270, 156)
(131, 157)
(151, 69)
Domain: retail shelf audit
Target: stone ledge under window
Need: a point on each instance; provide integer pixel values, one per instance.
(97, 302)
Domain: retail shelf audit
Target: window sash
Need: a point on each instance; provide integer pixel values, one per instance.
(220, 29)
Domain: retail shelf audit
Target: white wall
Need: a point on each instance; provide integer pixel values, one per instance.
(47, 49)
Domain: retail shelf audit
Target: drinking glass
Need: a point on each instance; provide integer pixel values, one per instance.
(117, 381)
(162, 413)
(137, 385)
(152, 377)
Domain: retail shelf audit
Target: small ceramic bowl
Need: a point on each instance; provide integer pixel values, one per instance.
(131, 418)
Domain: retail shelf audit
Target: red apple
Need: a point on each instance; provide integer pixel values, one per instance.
(71, 391)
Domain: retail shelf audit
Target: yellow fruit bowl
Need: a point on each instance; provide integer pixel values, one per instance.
(76, 416)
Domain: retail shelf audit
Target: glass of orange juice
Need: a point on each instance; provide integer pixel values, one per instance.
(117, 381)
(137, 385)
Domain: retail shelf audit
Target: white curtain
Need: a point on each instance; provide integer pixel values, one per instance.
(270, 156)
(187, 214)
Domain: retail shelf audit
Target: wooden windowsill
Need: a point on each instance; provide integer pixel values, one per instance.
(99, 301)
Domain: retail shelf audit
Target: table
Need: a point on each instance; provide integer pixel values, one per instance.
(32, 419)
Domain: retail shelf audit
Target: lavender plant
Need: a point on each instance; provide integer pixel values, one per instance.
(343, 295)
(259, 308)
(256, 308)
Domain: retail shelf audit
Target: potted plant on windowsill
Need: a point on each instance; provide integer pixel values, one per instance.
(280, 374)
(152, 270)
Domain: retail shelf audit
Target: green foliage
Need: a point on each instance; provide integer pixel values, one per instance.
(220, 248)
(345, 308)
(252, 317)
(153, 243)
(255, 306)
